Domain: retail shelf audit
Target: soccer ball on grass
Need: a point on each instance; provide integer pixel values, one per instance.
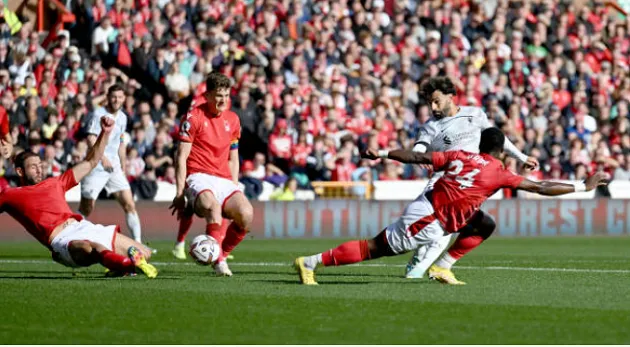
(205, 250)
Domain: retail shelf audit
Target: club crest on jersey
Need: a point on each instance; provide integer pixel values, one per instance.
(185, 131)
(227, 125)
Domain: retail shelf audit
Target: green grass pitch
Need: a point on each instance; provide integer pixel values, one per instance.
(520, 291)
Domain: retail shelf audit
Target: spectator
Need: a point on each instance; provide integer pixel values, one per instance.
(286, 193)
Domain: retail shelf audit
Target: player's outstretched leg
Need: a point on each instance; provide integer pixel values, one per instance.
(467, 240)
(347, 253)
(86, 253)
(425, 256)
(137, 252)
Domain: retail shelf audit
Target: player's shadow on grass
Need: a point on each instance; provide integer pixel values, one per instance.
(68, 277)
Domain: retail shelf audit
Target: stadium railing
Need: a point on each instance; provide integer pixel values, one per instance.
(343, 190)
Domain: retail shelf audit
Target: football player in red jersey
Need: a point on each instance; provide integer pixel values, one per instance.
(208, 167)
(185, 217)
(6, 141)
(40, 206)
(469, 180)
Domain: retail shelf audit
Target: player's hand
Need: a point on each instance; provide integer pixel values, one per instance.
(107, 124)
(370, 154)
(178, 205)
(107, 165)
(531, 164)
(600, 178)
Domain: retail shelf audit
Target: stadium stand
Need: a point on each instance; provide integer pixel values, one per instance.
(315, 82)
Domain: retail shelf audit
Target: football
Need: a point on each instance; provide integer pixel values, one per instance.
(205, 249)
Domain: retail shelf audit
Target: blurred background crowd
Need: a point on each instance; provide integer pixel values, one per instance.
(316, 81)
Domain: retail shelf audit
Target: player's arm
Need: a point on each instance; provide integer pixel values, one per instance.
(179, 202)
(509, 148)
(234, 164)
(93, 132)
(550, 188)
(183, 151)
(426, 134)
(96, 152)
(233, 160)
(403, 156)
(122, 154)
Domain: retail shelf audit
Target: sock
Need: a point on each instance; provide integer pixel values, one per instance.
(117, 262)
(133, 223)
(446, 261)
(233, 237)
(347, 253)
(428, 254)
(185, 223)
(312, 261)
(220, 232)
(465, 243)
(213, 229)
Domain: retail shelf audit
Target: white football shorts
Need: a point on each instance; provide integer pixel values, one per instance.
(82, 231)
(416, 227)
(221, 188)
(113, 182)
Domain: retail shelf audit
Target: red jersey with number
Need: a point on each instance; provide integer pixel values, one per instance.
(469, 180)
(42, 207)
(4, 123)
(212, 138)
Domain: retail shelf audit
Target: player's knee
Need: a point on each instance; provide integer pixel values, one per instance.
(246, 216)
(129, 207)
(206, 205)
(81, 252)
(487, 225)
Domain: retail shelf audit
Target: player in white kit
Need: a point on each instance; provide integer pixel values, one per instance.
(110, 172)
(452, 128)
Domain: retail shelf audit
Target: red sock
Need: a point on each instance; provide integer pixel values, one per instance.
(117, 262)
(185, 223)
(347, 253)
(218, 233)
(233, 237)
(465, 243)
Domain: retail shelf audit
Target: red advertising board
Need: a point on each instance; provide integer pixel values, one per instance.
(364, 219)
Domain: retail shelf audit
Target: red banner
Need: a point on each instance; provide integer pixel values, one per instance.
(364, 219)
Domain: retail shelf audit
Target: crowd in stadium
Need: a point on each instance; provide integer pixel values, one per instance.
(317, 81)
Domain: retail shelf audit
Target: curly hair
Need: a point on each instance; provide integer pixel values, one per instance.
(217, 80)
(443, 84)
(492, 139)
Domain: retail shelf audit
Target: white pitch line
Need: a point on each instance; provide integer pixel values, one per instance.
(281, 264)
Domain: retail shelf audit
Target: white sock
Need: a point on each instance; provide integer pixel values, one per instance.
(180, 244)
(446, 261)
(312, 261)
(429, 253)
(133, 223)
